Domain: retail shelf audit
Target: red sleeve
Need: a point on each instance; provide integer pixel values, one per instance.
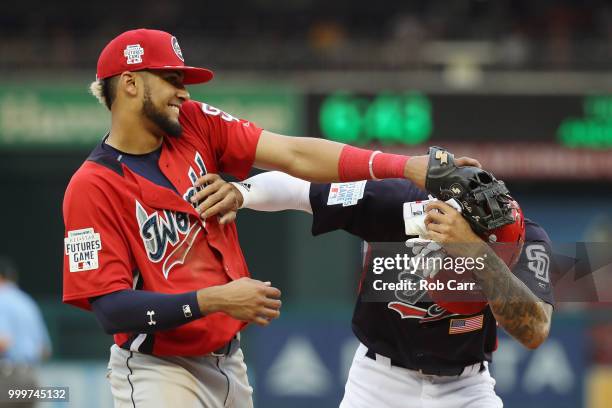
(233, 140)
(96, 255)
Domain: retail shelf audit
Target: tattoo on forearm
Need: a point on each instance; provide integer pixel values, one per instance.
(514, 306)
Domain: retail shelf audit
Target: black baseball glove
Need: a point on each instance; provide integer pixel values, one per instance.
(485, 201)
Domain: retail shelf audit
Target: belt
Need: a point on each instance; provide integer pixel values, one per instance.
(228, 348)
(442, 372)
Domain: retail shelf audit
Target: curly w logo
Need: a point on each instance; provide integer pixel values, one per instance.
(158, 232)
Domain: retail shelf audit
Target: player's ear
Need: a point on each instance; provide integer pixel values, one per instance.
(129, 83)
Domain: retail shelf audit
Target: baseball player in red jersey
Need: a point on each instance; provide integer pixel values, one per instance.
(172, 285)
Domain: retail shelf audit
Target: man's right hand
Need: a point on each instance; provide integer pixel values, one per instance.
(244, 299)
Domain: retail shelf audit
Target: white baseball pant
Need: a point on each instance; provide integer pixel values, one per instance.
(376, 383)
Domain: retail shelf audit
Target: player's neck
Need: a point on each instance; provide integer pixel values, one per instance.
(130, 137)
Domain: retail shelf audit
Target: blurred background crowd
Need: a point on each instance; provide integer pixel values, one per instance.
(523, 86)
(309, 34)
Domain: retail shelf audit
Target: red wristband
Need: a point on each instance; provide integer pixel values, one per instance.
(361, 164)
(387, 165)
(354, 164)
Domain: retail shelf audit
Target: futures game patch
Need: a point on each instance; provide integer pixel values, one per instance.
(82, 248)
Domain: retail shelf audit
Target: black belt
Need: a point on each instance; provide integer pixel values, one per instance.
(442, 372)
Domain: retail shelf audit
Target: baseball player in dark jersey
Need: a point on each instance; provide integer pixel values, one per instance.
(171, 284)
(414, 353)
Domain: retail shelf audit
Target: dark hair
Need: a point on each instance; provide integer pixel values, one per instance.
(8, 269)
(109, 90)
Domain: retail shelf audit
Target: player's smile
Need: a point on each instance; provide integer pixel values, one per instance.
(174, 107)
(174, 80)
(163, 96)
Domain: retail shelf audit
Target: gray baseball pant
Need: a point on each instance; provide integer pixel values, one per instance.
(143, 380)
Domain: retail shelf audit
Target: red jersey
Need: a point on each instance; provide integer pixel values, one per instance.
(126, 232)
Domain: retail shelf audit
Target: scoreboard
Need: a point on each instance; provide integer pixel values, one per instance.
(414, 118)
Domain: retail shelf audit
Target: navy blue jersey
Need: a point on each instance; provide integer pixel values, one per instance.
(419, 334)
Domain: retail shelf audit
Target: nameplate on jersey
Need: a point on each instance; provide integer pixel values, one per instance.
(346, 194)
(82, 247)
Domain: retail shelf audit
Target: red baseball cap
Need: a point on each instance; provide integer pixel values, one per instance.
(141, 49)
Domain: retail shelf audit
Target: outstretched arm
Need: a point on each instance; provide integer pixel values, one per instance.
(371, 210)
(275, 191)
(321, 160)
(270, 191)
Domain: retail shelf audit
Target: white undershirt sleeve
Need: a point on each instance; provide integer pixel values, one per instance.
(275, 191)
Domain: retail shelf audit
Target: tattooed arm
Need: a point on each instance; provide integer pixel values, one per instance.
(521, 313)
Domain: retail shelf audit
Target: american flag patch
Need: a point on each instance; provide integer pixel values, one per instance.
(458, 326)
